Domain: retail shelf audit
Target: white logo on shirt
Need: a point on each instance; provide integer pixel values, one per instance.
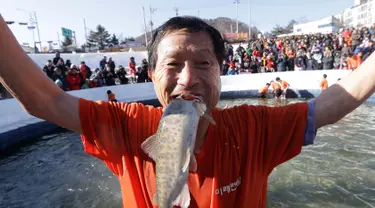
(228, 188)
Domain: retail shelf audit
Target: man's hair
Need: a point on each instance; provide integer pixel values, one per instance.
(324, 75)
(109, 92)
(192, 25)
(277, 78)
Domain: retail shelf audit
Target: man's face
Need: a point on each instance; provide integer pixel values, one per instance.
(187, 64)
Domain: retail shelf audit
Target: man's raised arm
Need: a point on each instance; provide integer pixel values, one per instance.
(350, 92)
(38, 95)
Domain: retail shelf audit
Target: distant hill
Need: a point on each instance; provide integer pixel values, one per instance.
(222, 24)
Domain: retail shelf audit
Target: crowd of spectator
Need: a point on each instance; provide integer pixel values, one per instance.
(70, 77)
(344, 50)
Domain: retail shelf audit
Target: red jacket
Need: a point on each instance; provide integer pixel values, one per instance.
(83, 69)
(74, 81)
(257, 53)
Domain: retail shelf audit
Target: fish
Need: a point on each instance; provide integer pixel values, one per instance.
(172, 149)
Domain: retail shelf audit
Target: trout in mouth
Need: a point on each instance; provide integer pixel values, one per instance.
(172, 149)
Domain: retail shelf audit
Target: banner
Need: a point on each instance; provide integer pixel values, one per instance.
(236, 36)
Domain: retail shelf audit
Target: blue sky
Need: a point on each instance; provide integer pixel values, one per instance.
(124, 17)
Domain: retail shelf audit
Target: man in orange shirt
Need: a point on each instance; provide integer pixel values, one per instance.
(276, 89)
(264, 91)
(324, 83)
(111, 96)
(284, 87)
(234, 158)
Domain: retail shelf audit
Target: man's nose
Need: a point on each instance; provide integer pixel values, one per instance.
(188, 76)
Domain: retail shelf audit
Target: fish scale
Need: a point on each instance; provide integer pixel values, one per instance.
(172, 148)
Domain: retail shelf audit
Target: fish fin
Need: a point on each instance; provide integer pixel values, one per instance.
(187, 161)
(193, 164)
(155, 199)
(183, 200)
(148, 146)
(201, 108)
(209, 119)
(202, 111)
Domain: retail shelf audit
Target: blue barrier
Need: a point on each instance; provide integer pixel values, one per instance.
(17, 126)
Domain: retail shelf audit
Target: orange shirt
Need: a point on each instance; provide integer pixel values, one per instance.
(235, 161)
(354, 62)
(275, 86)
(324, 84)
(284, 84)
(264, 90)
(111, 97)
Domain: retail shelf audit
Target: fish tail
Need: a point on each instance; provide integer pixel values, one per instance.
(183, 199)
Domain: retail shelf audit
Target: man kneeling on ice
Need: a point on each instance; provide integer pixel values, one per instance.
(231, 160)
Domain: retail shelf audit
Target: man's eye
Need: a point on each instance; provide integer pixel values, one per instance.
(172, 64)
(204, 64)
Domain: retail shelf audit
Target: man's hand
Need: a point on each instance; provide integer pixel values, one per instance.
(37, 94)
(346, 95)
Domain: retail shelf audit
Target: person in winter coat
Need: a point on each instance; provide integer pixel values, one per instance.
(109, 77)
(99, 76)
(121, 74)
(68, 63)
(93, 83)
(270, 63)
(355, 61)
(346, 50)
(356, 38)
(231, 70)
(225, 68)
(254, 65)
(73, 78)
(336, 59)
(48, 69)
(291, 55)
(103, 62)
(317, 60)
(132, 69)
(57, 58)
(309, 61)
(85, 70)
(59, 75)
(111, 64)
(358, 49)
(281, 63)
(300, 61)
(143, 72)
(327, 60)
(237, 58)
(60, 64)
(257, 53)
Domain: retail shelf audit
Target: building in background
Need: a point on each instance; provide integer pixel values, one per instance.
(359, 15)
(326, 25)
